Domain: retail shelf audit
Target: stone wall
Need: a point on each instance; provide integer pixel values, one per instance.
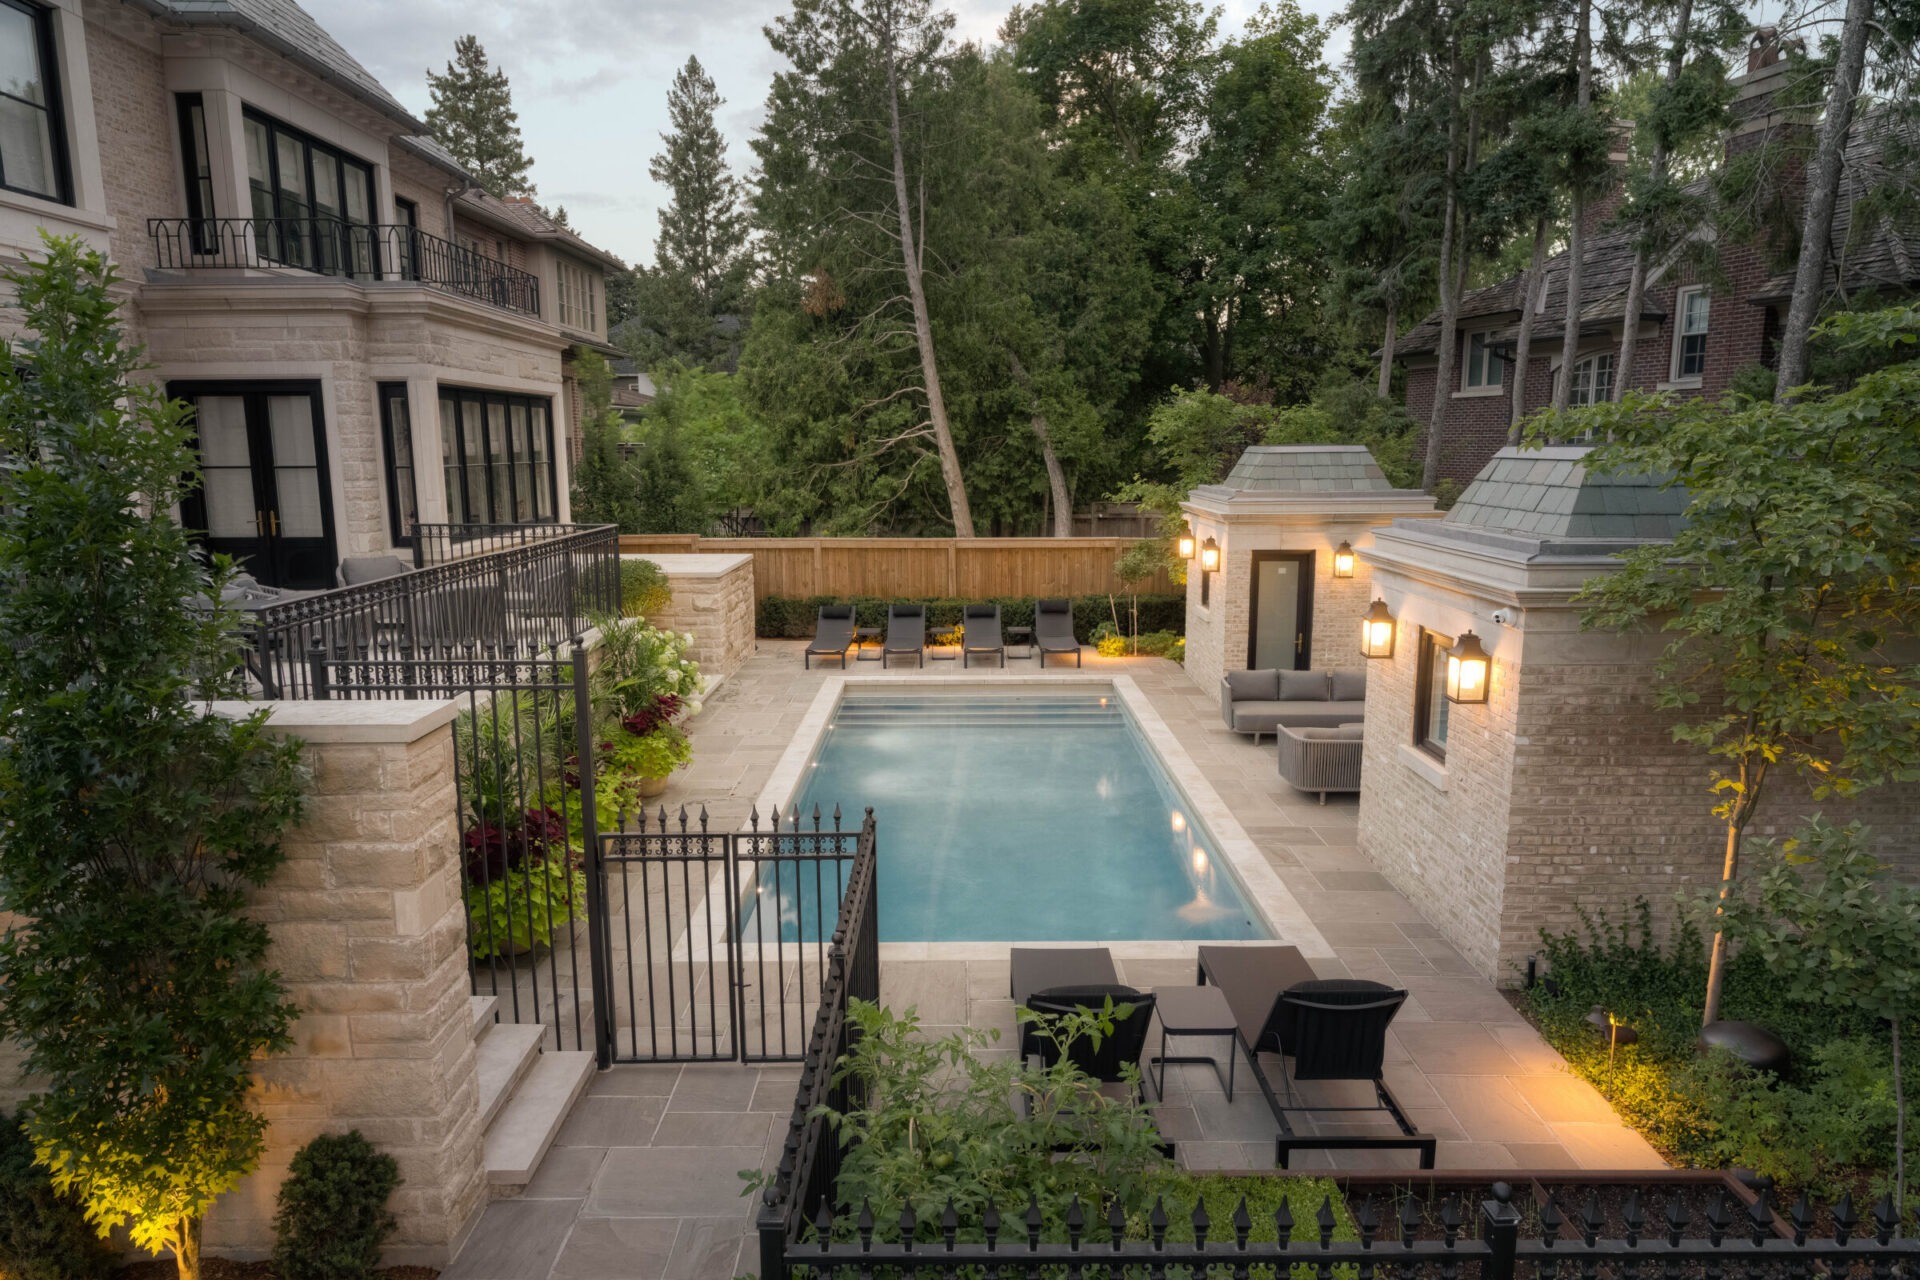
(712, 599)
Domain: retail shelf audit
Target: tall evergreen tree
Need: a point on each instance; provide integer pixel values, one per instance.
(703, 229)
(472, 116)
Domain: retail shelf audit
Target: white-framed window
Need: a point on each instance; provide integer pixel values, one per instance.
(579, 298)
(1483, 368)
(1690, 334)
(1593, 380)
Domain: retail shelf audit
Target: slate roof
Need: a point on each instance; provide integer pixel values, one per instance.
(1550, 494)
(1307, 468)
(523, 215)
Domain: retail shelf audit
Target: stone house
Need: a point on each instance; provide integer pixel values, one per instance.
(368, 340)
(1695, 333)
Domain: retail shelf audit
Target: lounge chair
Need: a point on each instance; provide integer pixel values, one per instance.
(1107, 1060)
(1032, 969)
(906, 633)
(980, 633)
(832, 635)
(1053, 629)
(1333, 1029)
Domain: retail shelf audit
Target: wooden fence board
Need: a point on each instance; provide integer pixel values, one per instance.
(967, 568)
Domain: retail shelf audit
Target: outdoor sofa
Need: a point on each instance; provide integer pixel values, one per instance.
(1258, 702)
(1323, 760)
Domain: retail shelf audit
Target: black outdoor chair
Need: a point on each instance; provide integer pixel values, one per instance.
(1105, 1062)
(833, 634)
(980, 633)
(906, 633)
(1333, 1029)
(1053, 629)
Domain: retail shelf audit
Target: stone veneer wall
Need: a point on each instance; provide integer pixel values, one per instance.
(137, 130)
(712, 599)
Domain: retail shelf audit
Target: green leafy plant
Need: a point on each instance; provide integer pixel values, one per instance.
(332, 1217)
(44, 1234)
(136, 821)
(645, 677)
(652, 755)
(644, 587)
(523, 907)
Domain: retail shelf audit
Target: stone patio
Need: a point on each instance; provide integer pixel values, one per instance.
(643, 1181)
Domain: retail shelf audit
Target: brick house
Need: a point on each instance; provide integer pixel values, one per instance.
(1695, 333)
(369, 341)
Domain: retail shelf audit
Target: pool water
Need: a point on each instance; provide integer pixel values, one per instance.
(1020, 818)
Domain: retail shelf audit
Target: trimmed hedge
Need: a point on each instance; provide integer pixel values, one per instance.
(794, 617)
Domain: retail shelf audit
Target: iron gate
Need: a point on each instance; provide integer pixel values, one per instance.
(713, 946)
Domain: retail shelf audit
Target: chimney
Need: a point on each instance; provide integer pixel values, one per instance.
(1758, 117)
(1601, 209)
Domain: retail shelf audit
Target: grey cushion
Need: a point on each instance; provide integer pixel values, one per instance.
(1351, 731)
(1350, 686)
(355, 570)
(1256, 686)
(1264, 717)
(1304, 686)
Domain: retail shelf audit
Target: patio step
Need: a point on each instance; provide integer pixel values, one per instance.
(483, 1007)
(504, 1054)
(519, 1136)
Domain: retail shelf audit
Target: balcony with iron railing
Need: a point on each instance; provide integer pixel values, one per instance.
(332, 247)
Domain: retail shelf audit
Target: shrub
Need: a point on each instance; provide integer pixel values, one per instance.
(644, 587)
(333, 1214)
(44, 1235)
(794, 617)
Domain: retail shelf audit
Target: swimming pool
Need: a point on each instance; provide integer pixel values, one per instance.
(1030, 816)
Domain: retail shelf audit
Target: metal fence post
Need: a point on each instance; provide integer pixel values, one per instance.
(590, 837)
(1502, 1222)
(317, 669)
(773, 1241)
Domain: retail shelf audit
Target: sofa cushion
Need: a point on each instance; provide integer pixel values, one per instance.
(1303, 686)
(1253, 686)
(1351, 731)
(1265, 717)
(1350, 686)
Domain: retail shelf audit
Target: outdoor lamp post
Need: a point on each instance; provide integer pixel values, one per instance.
(1467, 666)
(1343, 560)
(1376, 632)
(1615, 1032)
(1184, 543)
(1209, 556)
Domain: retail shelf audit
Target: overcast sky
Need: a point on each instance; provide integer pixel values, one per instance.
(590, 81)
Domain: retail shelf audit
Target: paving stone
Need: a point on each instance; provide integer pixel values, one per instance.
(711, 1249)
(714, 1087)
(716, 1128)
(565, 1173)
(515, 1240)
(1453, 1048)
(617, 1249)
(671, 1182)
(611, 1121)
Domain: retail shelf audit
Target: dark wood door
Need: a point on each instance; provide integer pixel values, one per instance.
(1280, 611)
(264, 497)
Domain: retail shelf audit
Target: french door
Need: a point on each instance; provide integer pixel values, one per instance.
(264, 497)
(1280, 611)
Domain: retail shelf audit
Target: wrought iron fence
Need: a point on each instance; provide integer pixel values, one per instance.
(524, 598)
(445, 543)
(332, 246)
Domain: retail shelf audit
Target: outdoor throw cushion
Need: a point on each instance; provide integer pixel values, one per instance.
(1351, 731)
(1253, 686)
(1303, 686)
(1349, 686)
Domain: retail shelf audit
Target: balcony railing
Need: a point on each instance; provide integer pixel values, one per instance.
(329, 246)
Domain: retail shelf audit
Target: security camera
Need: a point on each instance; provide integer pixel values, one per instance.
(1502, 616)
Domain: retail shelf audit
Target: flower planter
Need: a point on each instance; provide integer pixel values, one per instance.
(652, 787)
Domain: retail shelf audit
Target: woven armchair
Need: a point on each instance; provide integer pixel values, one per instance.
(1321, 760)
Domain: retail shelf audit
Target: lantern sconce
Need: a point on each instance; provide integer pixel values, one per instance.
(1184, 543)
(1468, 665)
(1209, 556)
(1376, 632)
(1343, 560)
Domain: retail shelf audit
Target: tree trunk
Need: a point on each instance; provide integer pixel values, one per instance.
(1899, 1137)
(1637, 278)
(1056, 475)
(186, 1249)
(1823, 190)
(1577, 236)
(1449, 296)
(1386, 353)
(1523, 345)
(923, 323)
(1753, 775)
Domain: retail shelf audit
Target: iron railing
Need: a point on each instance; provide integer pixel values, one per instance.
(331, 246)
(527, 597)
(445, 543)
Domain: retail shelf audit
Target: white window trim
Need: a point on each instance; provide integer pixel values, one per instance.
(1674, 380)
(1466, 346)
(1591, 357)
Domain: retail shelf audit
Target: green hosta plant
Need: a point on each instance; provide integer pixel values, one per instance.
(523, 908)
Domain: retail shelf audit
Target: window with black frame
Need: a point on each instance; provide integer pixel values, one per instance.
(496, 457)
(1430, 704)
(33, 132)
(196, 155)
(312, 204)
(396, 431)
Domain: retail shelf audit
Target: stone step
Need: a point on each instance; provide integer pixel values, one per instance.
(483, 1007)
(502, 1056)
(518, 1139)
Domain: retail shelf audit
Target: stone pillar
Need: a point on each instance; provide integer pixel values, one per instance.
(713, 598)
(369, 934)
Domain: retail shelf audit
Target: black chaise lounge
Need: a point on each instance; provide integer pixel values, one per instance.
(832, 634)
(980, 633)
(906, 633)
(1333, 1029)
(1053, 629)
(1060, 980)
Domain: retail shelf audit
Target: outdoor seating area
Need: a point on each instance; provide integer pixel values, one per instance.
(838, 633)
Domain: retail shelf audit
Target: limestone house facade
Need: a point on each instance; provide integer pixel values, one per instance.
(1564, 791)
(369, 341)
(1277, 599)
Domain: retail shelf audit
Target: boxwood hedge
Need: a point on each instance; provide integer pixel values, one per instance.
(794, 617)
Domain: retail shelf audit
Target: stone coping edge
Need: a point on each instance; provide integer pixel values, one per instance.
(385, 722)
(693, 564)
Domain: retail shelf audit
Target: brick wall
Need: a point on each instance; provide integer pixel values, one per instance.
(134, 115)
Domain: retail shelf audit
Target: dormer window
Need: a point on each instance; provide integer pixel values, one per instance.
(1483, 368)
(1690, 335)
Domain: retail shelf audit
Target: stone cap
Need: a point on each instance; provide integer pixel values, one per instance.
(693, 564)
(1550, 495)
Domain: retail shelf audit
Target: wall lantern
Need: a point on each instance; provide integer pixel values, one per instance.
(1376, 632)
(1184, 543)
(1467, 667)
(1209, 556)
(1343, 560)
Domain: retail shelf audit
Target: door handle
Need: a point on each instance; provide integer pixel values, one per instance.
(259, 524)
(1299, 642)
(273, 523)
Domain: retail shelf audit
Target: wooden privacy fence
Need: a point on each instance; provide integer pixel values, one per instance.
(963, 568)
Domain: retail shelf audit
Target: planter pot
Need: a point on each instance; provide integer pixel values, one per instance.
(652, 787)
